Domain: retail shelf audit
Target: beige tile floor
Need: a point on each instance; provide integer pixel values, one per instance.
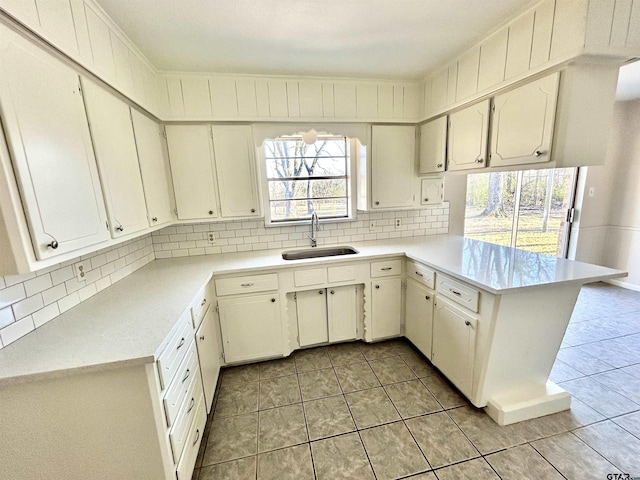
(381, 411)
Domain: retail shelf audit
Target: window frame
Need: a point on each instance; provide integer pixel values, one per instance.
(350, 181)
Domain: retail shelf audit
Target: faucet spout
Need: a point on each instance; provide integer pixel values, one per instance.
(315, 226)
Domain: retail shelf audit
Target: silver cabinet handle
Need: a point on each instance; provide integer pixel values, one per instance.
(54, 244)
(377, 286)
(377, 203)
(120, 228)
(180, 344)
(246, 284)
(467, 323)
(332, 292)
(479, 160)
(537, 153)
(197, 436)
(454, 292)
(419, 274)
(321, 292)
(439, 165)
(426, 199)
(273, 300)
(210, 212)
(154, 219)
(427, 297)
(386, 268)
(204, 300)
(202, 338)
(193, 403)
(186, 375)
(253, 210)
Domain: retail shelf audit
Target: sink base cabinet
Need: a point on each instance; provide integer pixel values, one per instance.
(251, 327)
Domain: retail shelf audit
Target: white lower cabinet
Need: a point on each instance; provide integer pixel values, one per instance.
(327, 315)
(454, 338)
(250, 326)
(419, 316)
(386, 307)
(210, 355)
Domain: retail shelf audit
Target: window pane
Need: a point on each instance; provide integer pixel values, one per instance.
(291, 189)
(292, 147)
(306, 167)
(302, 209)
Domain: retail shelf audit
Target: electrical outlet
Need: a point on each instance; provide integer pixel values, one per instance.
(211, 238)
(398, 223)
(81, 271)
(372, 225)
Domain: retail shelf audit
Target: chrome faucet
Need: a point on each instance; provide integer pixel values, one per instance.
(315, 226)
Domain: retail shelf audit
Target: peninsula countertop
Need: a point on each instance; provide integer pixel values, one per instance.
(127, 323)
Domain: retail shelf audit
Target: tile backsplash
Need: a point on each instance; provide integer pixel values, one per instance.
(252, 235)
(31, 300)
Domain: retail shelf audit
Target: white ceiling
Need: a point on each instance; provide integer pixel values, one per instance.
(345, 38)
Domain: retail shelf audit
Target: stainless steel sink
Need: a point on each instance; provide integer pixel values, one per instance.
(318, 252)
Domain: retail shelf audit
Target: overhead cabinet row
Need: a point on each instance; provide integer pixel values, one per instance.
(562, 118)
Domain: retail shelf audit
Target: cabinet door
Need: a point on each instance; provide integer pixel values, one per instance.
(190, 154)
(236, 170)
(432, 191)
(312, 317)
(522, 123)
(393, 176)
(46, 128)
(115, 147)
(386, 307)
(433, 146)
(250, 327)
(419, 316)
(454, 338)
(342, 313)
(209, 354)
(154, 166)
(468, 131)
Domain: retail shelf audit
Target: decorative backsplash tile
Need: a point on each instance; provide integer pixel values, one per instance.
(31, 300)
(251, 235)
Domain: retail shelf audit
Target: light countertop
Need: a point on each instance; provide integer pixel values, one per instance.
(127, 323)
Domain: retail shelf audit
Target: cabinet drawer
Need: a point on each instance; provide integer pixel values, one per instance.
(176, 349)
(192, 444)
(199, 307)
(310, 276)
(187, 413)
(181, 385)
(458, 292)
(421, 274)
(248, 284)
(386, 268)
(344, 273)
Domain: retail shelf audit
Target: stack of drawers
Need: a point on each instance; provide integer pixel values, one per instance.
(182, 395)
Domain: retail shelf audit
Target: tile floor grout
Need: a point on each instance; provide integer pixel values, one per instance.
(516, 438)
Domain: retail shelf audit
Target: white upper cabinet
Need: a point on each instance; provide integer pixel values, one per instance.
(115, 147)
(45, 124)
(191, 157)
(519, 46)
(522, 123)
(433, 146)
(467, 76)
(393, 155)
(493, 57)
(154, 166)
(236, 170)
(467, 143)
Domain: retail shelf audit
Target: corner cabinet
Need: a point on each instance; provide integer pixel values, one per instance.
(393, 180)
(45, 125)
(155, 170)
(522, 123)
(214, 171)
(468, 134)
(115, 147)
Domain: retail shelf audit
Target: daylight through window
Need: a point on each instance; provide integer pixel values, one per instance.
(303, 178)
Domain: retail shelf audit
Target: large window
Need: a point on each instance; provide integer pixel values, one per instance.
(307, 177)
(526, 209)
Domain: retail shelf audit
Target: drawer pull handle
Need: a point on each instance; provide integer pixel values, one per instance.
(427, 297)
(467, 323)
(180, 344)
(419, 274)
(193, 403)
(386, 268)
(455, 292)
(246, 284)
(204, 300)
(197, 437)
(184, 379)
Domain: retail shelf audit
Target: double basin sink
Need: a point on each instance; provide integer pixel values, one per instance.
(318, 252)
